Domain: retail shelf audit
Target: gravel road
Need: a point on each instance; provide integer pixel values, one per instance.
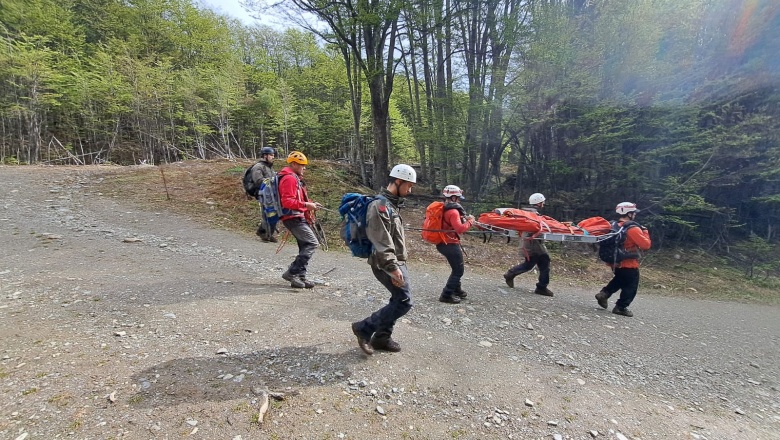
(119, 322)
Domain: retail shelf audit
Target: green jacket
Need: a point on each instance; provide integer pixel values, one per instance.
(385, 229)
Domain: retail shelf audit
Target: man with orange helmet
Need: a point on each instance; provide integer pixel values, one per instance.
(626, 278)
(295, 204)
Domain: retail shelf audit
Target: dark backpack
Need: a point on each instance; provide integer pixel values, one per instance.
(269, 199)
(353, 211)
(250, 186)
(613, 250)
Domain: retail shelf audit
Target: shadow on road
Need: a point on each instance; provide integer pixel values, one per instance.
(221, 378)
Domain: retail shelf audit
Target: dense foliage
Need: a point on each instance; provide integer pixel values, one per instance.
(674, 105)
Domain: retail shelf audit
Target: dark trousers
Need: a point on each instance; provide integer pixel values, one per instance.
(627, 281)
(381, 322)
(542, 261)
(454, 255)
(307, 244)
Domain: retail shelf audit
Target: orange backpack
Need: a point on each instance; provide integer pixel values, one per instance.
(432, 225)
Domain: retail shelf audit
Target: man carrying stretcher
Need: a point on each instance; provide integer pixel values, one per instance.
(535, 254)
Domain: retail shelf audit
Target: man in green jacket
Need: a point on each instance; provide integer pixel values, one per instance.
(385, 229)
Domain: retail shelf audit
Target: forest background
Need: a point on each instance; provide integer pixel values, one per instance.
(673, 105)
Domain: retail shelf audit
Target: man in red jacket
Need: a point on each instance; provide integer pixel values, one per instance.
(626, 278)
(456, 222)
(295, 204)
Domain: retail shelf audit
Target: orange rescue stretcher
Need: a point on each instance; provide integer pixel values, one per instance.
(512, 222)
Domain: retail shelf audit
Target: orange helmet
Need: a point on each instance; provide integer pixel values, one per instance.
(297, 157)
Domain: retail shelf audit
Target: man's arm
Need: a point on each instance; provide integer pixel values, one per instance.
(640, 237)
(378, 232)
(452, 217)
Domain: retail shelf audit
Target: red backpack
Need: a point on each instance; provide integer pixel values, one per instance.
(432, 225)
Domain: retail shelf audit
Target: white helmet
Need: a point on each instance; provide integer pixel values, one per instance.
(404, 172)
(452, 190)
(626, 207)
(536, 198)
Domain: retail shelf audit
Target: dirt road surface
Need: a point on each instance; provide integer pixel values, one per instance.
(119, 322)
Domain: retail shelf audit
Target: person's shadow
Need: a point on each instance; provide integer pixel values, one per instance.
(226, 377)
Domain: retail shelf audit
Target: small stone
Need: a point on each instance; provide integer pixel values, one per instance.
(594, 433)
(580, 381)
(380, 410)
(529, 326)
(529, 403)
(222, 351)
(552, 422)
(192, 422)
(557, 437)
(739, 411)
(620, 436)
(485, 344)
(120, 334)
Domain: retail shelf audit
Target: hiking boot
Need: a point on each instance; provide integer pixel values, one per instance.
(385, 345)
(363, 342)
(306, 283)
(510, 280)
(450, 299)
(270, 239)
(260, 232)
(602, 299)
(543, 291)
(295, 280)
(622, 311)
(461, 293)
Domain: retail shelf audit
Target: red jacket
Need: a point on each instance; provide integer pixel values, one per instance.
(636, 239)
(292, 193)
(451, 220)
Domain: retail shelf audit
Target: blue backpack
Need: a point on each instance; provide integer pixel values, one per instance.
(270, 201)
(353, 210)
